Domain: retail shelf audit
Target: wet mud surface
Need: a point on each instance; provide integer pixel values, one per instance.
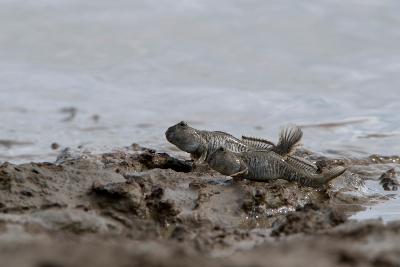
(137, 207)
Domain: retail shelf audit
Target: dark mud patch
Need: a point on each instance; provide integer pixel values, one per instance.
(135, 206)
(70, 113)
(11, 143)
(330, 125)
(378, 135)
(389, 181)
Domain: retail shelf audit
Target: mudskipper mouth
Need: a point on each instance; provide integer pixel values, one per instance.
(218, 167)
(211, 162)
(169, 135)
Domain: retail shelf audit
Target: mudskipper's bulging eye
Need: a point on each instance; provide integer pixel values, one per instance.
(183, 124)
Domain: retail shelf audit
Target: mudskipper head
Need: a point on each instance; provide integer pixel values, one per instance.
(225, 162)
(183, 136)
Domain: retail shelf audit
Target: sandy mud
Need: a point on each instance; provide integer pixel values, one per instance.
(137, 207)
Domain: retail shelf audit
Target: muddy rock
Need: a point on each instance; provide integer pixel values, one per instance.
(144, 159)
(388, 180)
(125, 198)
(309, 219)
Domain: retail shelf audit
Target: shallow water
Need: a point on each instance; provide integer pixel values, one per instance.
(130, 69)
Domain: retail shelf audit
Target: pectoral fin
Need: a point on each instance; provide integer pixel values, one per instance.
(202, 158)
(240, 173)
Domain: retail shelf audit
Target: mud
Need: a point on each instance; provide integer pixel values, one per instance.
(137, 207)
(388, 180)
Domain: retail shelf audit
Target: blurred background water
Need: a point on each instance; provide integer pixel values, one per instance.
(104, 74)
(246, 67)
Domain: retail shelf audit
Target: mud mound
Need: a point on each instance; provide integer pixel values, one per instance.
(138, 207)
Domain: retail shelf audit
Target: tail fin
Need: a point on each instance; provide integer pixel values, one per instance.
(333, 173)
(258, 142)
(325, 177)
(289, 139)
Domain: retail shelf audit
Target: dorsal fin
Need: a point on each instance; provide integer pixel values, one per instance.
(221, 132)
(289, 139)
(258, 143)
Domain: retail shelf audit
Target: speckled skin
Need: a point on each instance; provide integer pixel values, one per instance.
(268, 165)
(200, 144)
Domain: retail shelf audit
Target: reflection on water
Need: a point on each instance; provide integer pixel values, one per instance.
(106, 74)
